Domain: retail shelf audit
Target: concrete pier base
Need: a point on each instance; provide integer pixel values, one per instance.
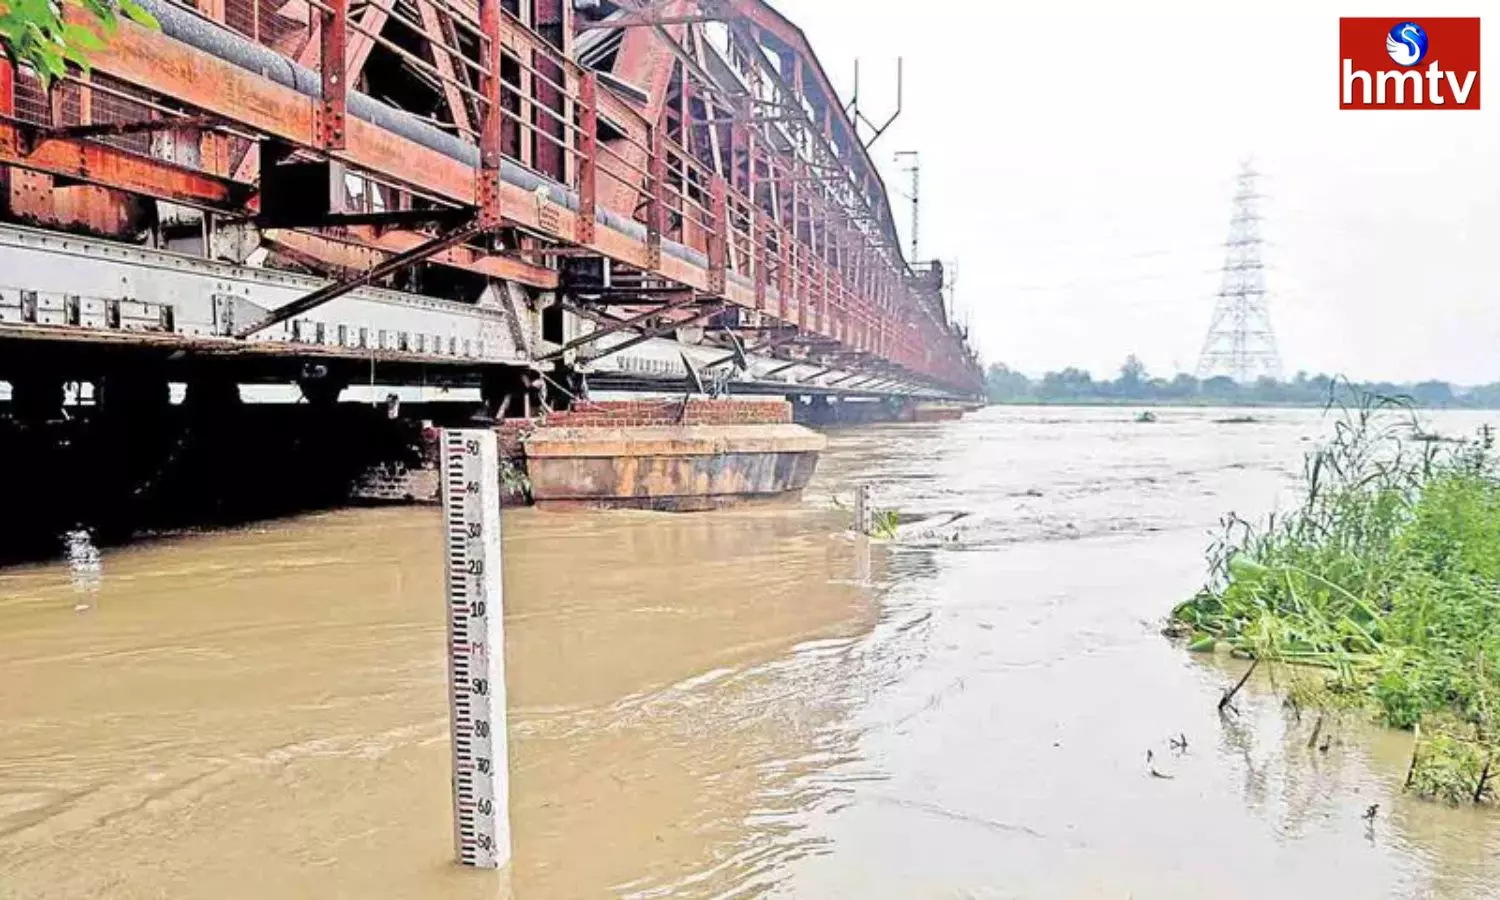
(674, 467)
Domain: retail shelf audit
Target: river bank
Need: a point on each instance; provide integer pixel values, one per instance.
(735, 703)
(1378, 595)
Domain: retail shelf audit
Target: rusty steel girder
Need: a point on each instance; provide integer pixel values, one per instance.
(659, 136)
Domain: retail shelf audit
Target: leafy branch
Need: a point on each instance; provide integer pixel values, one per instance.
(37, 34)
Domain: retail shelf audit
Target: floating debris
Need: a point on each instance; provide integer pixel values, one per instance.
(1150, 768)
(84, 566)
(1432, 437)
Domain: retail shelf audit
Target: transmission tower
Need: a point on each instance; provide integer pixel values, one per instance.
(1240, 342)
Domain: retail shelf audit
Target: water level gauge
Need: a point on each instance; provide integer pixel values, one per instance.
(476, 645)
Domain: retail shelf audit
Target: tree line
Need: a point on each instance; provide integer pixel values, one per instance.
(1135, 385)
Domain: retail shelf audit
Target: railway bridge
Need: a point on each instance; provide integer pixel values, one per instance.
(504, 194)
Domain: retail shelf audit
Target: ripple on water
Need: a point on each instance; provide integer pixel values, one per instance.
(734, 704)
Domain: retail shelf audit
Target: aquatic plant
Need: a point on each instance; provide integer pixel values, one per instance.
(1380, 592)
(513, 478)
(884, 522)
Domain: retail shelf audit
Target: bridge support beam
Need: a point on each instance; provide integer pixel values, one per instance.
(658, 331)
(380, 270)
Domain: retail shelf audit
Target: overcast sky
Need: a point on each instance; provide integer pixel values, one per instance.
(1078, 161)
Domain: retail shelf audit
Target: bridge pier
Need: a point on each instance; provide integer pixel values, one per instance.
(36, 399)
(132, 428)
(212, 397)
(323, 390)
(133, 397)
(823, 410)
(501, 389)
(517, 392)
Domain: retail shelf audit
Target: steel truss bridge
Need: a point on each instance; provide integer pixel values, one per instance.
(451, 189)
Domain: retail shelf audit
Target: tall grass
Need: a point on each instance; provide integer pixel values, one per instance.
(1387, 579)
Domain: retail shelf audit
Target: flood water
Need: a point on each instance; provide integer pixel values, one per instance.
(731, 704)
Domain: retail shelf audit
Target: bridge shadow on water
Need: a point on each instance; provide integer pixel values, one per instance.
(184, 470)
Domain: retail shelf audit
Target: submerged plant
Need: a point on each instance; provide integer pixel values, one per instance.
(1450, 767)
(1387, 579)
(513, 478)
(884, 522)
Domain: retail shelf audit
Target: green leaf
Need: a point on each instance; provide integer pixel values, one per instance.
(1202, 643)
(99, 9)
(78, 38)
(77, 58)
(138, 14)
(1241, 566)
(50, 60)
(36, 33)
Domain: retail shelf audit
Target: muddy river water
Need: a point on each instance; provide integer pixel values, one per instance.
(732, 704)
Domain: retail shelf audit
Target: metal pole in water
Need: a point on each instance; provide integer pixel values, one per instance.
(862, 513)
(470, 473)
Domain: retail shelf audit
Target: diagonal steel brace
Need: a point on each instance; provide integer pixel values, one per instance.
(768, 343)
(658, 331)
(610, 326)
(337, 289)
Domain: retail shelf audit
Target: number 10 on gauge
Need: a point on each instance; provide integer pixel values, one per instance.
(470, 478)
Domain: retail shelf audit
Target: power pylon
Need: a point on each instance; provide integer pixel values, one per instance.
(1240, 342)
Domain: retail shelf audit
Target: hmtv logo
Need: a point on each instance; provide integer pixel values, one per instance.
(1409, 63)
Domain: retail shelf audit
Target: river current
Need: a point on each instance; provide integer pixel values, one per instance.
(748, 702)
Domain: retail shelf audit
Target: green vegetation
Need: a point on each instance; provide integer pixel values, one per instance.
(1136, 386)
(513, 478)
(36, 34)
(884, 522)
(1381, 592)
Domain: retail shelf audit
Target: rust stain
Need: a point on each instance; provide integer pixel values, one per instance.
(686, 467)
